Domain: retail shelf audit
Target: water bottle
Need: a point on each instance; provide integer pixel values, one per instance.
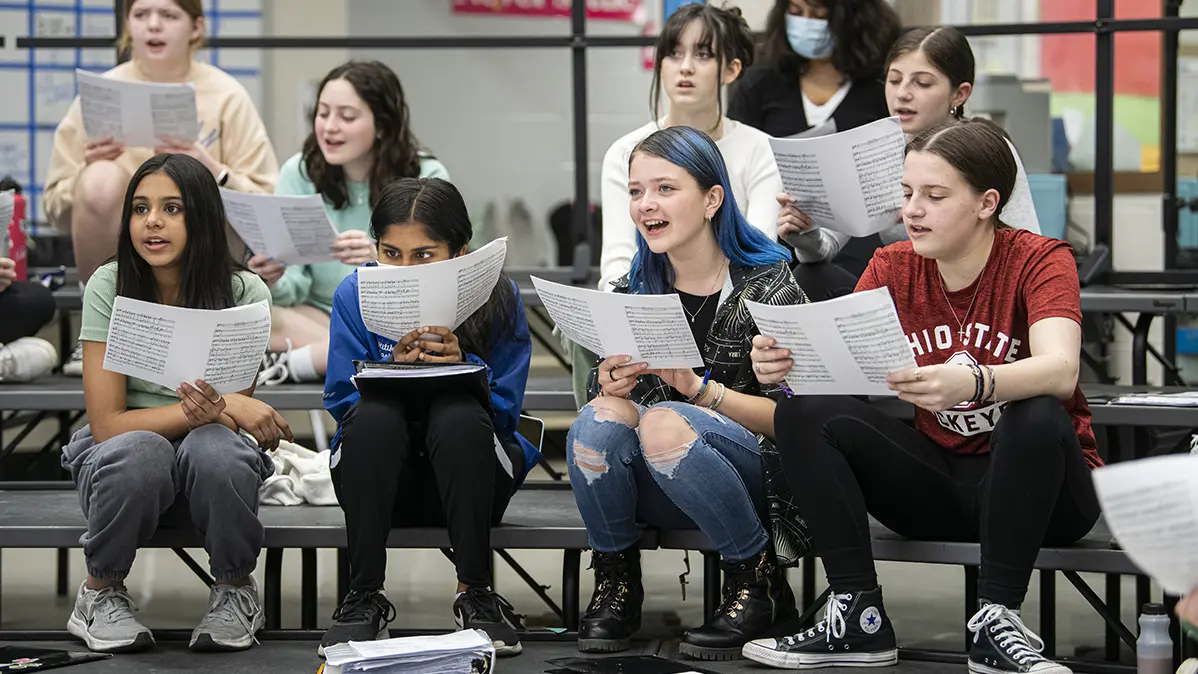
(1154, 648)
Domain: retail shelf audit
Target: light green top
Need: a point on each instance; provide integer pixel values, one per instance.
(97, 313)
(314, 284)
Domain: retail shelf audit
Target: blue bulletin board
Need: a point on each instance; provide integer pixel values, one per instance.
(38, 85)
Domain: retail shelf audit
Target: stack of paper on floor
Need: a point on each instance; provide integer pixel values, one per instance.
(467, 651)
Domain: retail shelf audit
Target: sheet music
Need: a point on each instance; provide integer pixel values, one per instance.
(7, 208)
(169, 345)
(136, 114)
(849, 181)
(396, 300)
(652, 329)
(289, 228)
(845, 345)
(1151, 508)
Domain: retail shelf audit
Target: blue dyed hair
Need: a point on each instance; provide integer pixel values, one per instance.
(739, 241)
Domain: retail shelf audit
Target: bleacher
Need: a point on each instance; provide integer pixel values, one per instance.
(543, 515)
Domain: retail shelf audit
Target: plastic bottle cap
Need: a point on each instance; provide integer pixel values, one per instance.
(1154, 609)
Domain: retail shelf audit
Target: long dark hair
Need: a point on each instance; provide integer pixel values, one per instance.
(697, 154)
(725, 33)
(439, 206)
(978, 152)
(945, 48)
(862, 30)
(396, 152)
(207, 271)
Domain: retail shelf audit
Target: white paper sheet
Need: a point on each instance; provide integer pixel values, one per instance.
(396, 300)
(1151, 508)
(136, 114)
(652, 329)
(845, 345)
(289, 228)
(7, 207)
(849, 181)
(462, 641)
(170, 345)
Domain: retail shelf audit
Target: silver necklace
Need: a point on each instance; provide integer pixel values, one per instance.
(960, 322)
(698, 311)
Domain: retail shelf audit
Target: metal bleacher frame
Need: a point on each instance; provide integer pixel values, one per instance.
(61, 401)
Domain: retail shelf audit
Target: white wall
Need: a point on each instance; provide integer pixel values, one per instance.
(289, 71)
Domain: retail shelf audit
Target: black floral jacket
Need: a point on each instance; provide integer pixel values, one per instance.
(726, 353)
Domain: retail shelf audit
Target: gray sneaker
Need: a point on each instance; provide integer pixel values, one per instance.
(234, 616)
(104, 620)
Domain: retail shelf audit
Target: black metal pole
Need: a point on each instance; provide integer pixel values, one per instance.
(582, 199)
(1169, 49)
(1104, 124)
(118, 11)
(1169, 206)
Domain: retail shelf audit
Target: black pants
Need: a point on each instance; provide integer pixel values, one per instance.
(25, 308)
(412, 463)
(844, 458)
(824, 280)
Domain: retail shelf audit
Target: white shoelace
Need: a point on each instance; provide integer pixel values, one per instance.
(833, 623)
(233, 604)
(275, 371)
(115, 604)
(1011, 634)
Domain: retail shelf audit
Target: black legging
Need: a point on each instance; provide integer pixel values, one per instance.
(844, 458)
(431, 463)
(25, 308)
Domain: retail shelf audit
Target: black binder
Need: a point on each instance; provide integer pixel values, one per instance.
(24, 659)
(424, 380)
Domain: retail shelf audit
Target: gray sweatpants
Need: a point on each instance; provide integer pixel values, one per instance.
(128, 483)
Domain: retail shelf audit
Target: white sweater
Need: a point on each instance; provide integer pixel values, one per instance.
(817, 245)
(751, 168)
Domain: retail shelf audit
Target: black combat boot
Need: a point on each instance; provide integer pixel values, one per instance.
(757, 599)
(614, 613)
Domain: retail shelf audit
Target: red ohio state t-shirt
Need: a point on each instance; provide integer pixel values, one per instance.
(1027, 278)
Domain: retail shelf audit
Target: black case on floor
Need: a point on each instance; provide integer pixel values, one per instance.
(24, 659)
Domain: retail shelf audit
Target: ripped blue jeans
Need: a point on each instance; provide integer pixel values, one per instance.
(674, 466)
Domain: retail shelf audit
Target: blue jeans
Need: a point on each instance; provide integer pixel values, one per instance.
(673, 466)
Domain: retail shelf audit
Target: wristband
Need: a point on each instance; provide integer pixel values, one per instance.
(699, 395)
(223, 176)
(990, 395)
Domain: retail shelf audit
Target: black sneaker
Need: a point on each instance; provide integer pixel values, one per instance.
(478, 608)
(362, 616)
(1002, 644)
(855, 632)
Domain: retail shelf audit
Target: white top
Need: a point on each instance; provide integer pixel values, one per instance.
(751, 169)
(1019, 212)
(818, 114)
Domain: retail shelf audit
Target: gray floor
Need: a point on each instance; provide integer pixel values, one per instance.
(926, 602)
(293, 657)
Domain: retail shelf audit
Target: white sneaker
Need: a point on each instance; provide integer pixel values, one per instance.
(74, 366)
(234, 616)
(27, 359)
(104, 620)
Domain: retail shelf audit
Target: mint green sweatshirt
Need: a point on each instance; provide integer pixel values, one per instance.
(314, 284)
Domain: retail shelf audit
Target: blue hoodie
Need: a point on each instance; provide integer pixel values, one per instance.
(349, 340)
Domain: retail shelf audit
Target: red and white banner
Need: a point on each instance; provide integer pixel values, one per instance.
(609, 10)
